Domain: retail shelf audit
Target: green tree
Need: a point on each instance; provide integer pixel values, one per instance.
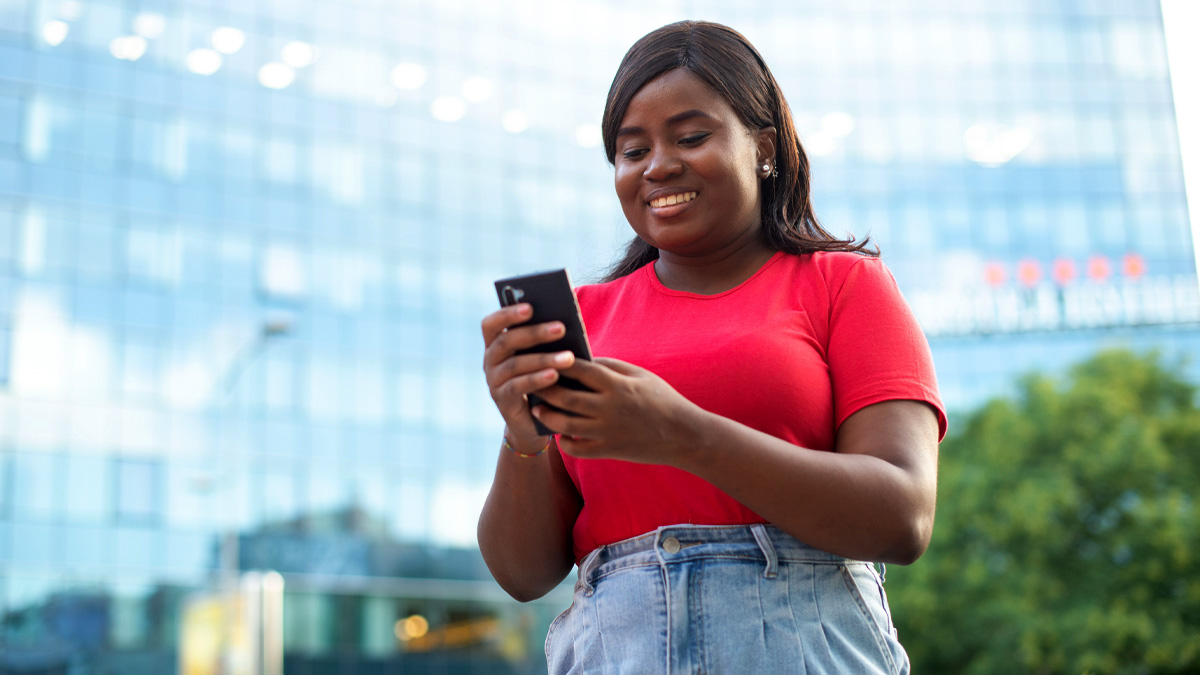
(1068, 530)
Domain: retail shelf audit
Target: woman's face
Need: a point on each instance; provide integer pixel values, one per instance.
(687, 169)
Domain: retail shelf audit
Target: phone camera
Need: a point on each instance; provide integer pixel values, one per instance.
(512, 295)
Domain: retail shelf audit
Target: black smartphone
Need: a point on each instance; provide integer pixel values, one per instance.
(552, 299)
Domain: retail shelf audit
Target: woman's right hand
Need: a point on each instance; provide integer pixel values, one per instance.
(525, 526)
(511, 377)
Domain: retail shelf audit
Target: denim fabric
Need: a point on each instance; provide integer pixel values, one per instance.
(717, 599)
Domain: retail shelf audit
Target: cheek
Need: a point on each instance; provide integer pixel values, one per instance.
(743, 181)
(624, 181)
(627, 189)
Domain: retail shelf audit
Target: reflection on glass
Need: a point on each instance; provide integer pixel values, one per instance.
(228, 40)
(54, 32)
(299, 54)
(203, 61)
(138, 490)
(128, 47)
(366, 170)
(408, 76)
(448, 109)
(149, 25)
(276, 75)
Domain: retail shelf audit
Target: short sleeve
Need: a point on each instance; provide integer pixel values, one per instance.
(877, 351)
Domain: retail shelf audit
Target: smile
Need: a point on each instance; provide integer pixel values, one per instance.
(671, 200)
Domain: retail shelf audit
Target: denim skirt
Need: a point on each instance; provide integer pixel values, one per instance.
(724, 599)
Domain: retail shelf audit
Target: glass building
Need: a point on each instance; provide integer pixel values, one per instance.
(245, 248)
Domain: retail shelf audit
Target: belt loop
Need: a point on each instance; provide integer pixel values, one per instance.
(882, 573)
(585, 568)
(768, 549)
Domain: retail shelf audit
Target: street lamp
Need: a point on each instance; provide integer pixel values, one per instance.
(248, 352)
(269, 330)
(256, 597)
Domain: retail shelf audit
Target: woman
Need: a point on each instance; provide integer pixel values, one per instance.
(763, 411)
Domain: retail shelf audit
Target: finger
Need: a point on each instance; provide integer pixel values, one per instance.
(510, 341)
(583, 403)
(523, 364)
(577, 446)
(494, 324)
(562, 423)
(593, 375)
(517, 388)
(622, 367)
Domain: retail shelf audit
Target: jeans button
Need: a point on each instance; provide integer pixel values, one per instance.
(671, 545)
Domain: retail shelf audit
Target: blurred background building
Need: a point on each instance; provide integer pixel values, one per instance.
(245, 248)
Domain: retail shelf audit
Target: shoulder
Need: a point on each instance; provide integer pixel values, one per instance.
(832, 269)
(841, 263)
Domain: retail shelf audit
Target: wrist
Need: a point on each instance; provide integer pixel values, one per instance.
(694, 432)
(528, 450)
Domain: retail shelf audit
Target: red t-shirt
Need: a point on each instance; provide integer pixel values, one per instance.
(792, 351)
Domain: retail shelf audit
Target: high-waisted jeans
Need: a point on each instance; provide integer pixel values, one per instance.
(724, 599)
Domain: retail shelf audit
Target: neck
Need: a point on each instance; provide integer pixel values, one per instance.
(712, 273)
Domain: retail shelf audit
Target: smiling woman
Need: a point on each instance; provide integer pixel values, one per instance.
(762, 418)
(734, 72)
(688, 172)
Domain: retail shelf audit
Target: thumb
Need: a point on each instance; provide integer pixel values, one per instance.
(619, 366)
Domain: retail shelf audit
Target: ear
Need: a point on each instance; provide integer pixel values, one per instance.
(765, 139)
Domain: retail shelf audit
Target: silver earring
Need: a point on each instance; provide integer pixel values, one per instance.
(766, 168)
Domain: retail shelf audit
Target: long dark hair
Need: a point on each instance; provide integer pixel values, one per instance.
(726, 61)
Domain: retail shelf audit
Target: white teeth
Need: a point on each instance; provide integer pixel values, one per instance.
(672, 200)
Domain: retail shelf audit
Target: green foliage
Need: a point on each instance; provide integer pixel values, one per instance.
(1068, 531)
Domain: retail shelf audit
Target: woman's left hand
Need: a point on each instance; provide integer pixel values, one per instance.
(630, 414)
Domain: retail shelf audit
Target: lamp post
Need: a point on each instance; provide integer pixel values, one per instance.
(241, 360)
(254, 601)
(244, 356)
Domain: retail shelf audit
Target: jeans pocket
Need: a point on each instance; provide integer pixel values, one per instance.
(867, 593)
(887, 610)
(554, 626)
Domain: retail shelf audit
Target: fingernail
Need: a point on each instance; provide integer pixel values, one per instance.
(556, 328)
(549, 374)
(563, 358)
(524, 309)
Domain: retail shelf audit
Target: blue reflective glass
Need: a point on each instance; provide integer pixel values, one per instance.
(36, 487)
(157, 224)
(138, 486)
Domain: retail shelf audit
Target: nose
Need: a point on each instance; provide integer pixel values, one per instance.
(663, 164)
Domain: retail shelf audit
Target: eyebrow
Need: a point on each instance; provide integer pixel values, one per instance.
(672, 120)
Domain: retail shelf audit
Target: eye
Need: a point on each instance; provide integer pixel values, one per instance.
(695, 139)
(633, 153)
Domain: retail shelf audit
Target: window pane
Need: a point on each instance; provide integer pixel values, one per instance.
(35, 487)
(138, 489)
(87, 489)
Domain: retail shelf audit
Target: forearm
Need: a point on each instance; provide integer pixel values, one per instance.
(858, 505)
(525, 527)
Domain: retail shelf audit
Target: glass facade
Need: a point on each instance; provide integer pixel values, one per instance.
(245, 248)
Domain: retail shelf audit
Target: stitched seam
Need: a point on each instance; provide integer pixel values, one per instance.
(697, 609)
(666, 581)
(762, 610)
(862, 607)
(754, 554)
(626, 568)
(595, 602)
(887, 609)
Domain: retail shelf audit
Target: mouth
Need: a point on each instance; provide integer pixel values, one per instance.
(672, 200)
